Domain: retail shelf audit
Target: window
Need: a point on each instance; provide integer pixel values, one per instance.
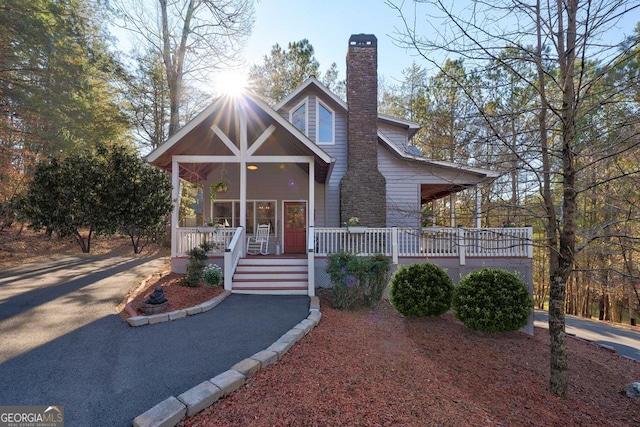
(222, 213)
(324, 126)
(266, 214)
(299, 116)
(227, 213)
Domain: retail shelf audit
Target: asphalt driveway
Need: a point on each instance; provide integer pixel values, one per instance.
(624, 340)
(61, 342)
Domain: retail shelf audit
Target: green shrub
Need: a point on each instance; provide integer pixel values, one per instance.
(357, 281)
(420, 290)
(492, 300)
(212, 275)
(197, 258)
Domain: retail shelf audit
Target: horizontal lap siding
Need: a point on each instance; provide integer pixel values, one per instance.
(327, 200)
(396, 134)
(339, 152)
(403, 188)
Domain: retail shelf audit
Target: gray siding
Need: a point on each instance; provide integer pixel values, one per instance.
(403, 185)
(320, 211)
(311, 117)
(328, 208)
(339, 152)
(403, 188)
(396, 134)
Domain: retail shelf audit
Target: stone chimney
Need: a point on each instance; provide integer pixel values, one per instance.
(363, 190)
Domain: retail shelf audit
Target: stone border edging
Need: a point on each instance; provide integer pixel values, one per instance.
(172, 410)
(178, 314)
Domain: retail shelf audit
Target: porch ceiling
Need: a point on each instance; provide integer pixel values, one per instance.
(430, 192)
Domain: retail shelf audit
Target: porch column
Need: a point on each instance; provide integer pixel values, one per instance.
(243, 172)
(175, 214)
(206, 202)
(452, 210)
(312, 193)
(478, 209)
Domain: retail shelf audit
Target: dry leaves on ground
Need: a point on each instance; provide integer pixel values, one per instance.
(376, 368)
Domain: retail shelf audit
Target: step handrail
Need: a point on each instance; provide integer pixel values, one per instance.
(232, 255)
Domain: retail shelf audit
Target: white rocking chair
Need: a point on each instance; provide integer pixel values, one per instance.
(259, 244)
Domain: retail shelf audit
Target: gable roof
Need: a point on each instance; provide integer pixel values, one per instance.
(311, 81)
(188, 134)
(436, 191)
(411, 127)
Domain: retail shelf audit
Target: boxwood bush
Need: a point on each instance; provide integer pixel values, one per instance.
(420, 290)
(492, 300)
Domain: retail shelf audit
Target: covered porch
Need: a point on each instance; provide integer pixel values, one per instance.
(252, 168)
(459, 250)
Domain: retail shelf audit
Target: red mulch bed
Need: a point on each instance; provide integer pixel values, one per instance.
(377, 368)
(179, 296)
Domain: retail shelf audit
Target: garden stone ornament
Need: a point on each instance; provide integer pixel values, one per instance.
(157, 296)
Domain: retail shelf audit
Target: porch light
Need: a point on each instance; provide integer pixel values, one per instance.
(252, 167)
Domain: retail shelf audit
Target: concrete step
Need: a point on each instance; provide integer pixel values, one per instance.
(275, 275)
(271, 268)
(271, 275)
(263, 260)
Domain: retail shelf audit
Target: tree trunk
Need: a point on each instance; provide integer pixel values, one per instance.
(174, 62)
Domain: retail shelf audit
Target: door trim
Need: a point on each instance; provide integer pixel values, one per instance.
(283, 219)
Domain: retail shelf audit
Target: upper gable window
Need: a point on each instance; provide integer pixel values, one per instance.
(325, 124)
(298, 116)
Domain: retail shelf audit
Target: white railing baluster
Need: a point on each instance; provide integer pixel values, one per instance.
(427, 242)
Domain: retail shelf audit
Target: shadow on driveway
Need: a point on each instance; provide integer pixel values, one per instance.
(107, 373)
(53, 284)
(61, 342)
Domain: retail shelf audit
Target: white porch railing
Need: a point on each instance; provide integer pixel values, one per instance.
(361, 241)
(311, 262)
(432, 242)
(427, 242)
(191, 237)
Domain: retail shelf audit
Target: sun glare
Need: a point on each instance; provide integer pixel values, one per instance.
(231, 82)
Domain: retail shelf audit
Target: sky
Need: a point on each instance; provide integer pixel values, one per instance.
(328, 24)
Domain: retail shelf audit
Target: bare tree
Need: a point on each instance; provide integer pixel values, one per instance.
(193, 38)
(557, 39)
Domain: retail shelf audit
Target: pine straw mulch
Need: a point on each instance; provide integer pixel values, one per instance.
(377, 368)
(20, 244)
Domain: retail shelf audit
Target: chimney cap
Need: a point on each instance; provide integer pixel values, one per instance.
(363, 40)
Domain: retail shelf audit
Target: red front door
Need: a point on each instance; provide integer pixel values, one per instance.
(295, 228)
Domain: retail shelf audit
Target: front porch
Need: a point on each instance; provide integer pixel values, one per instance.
(459, 250)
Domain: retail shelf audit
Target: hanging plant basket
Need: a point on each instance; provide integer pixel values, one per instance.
(220, 187)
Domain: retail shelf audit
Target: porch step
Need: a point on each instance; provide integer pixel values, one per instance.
(271, 275)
